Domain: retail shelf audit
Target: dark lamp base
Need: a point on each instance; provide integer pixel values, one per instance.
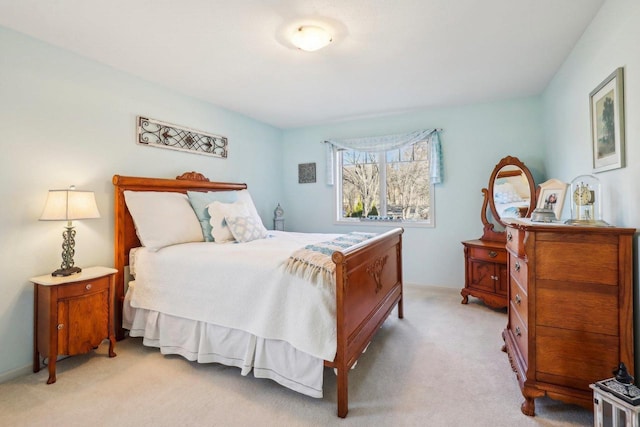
(66, 271)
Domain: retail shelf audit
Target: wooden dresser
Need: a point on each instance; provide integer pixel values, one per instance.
(570, 308)
(485, 272)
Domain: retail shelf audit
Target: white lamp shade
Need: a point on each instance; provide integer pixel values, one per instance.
(69, 205)
(310, 38)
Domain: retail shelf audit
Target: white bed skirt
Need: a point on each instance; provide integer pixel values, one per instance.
(208, 343)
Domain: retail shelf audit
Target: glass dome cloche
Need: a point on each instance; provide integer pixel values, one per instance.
(586, 202)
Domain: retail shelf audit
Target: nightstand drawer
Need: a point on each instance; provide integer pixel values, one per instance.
(487, 254)
(84, 287)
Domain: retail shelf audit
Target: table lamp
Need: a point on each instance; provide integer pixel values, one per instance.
(68, 205)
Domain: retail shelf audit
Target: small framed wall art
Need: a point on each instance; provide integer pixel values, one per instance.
(306, 173)
(607, 123)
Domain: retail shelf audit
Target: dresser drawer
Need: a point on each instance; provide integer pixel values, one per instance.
(515, 240)
(518, 270)
(519, 331)
(519, 300)
(84, 287)
(488, 254)
(574, 358)
(586, 307)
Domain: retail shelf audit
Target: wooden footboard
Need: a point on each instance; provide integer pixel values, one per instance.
(368, 275)
(368, 287)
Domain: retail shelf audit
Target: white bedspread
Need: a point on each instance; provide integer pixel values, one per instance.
(241, 286)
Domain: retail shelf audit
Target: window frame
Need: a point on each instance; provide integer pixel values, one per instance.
(340, 220)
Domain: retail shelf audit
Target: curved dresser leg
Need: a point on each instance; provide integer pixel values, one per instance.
(528, 407)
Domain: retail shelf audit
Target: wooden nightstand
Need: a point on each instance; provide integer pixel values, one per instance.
(72, 315)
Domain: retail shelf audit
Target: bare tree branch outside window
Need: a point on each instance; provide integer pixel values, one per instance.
(405, 184)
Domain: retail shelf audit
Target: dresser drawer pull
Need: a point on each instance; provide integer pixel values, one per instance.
(517, 266)
(509, 237)
(88, 287)
(494, 278)
(518, 332)
(60, 326)
(518, 300)
(493, 254)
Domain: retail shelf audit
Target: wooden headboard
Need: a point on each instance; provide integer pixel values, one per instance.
(125, 233)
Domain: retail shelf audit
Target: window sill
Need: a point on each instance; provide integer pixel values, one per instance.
(386, 224)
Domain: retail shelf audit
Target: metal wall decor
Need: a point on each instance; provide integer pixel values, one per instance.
(155, 133)
(306, 173)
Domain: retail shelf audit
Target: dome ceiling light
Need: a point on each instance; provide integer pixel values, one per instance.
(310, 38)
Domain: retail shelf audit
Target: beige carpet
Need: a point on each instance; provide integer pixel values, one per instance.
(440, 366)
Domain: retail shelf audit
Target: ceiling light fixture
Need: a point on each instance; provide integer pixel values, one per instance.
(310, 38)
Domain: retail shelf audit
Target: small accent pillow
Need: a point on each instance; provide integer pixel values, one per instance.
(163, 218)
(245, 228)
(218, 211)
(199, 202)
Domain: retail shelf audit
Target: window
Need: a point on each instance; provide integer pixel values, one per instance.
(392, 185)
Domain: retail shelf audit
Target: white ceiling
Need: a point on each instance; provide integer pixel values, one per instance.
(387, 57)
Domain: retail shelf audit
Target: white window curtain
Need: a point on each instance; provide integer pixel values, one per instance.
(386, 143)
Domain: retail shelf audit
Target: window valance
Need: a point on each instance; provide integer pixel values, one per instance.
(386, 143)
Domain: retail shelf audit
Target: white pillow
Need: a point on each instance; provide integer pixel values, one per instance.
(218, 211)
(245, 197)
(163, 218)
(245, 229)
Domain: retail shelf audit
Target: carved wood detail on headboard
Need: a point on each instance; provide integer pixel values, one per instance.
(193, 176)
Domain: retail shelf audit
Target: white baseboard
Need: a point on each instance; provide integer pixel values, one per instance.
(15, 373)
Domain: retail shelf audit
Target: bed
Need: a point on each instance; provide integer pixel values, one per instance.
(367, 282)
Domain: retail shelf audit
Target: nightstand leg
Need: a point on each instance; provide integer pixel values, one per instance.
(112, 344)
(36, 361)
(52, 369)
(36, 354)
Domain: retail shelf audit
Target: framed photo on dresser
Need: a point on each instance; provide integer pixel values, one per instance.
(551, 196)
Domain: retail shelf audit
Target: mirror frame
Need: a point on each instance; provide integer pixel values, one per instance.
(489, 232)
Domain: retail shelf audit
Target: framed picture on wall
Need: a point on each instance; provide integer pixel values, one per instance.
(607, 123)
(306, 173)
(551, 196)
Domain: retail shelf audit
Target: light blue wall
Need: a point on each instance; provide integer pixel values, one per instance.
(66, 120)
(611, 41)
(474, 140)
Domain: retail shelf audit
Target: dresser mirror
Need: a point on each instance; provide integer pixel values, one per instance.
(511, 194)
